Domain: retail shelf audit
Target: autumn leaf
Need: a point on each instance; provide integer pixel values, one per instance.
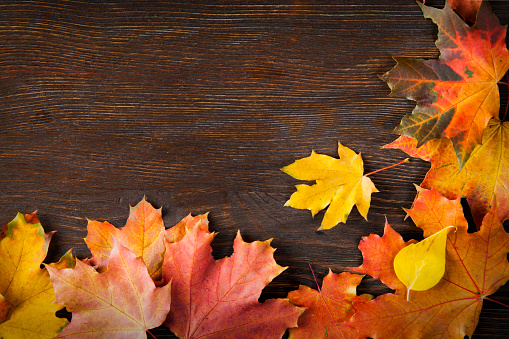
(122, 302)
(466, 8)
(476, 267)
(27, 302)
(143, 235)
(379, 253)
(340, 184)
(421, 266)
(431, 211)
(484, 178)
(328, 308)
(99, 241)
(457, 94)
(219, 298)
(177, 232)
(5, 308)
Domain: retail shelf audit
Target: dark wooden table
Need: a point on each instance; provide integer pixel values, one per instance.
(196, 105)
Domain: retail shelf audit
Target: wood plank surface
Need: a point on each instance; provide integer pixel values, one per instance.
(197, 105)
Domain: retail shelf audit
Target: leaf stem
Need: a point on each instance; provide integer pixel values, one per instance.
(321, 295)
(153, 336)
(316, 281)
(497, 302)
(381, 169)
(504, 83)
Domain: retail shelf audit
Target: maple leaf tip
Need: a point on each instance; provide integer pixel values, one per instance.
(407, 214)
(285, 170)
(327, 227)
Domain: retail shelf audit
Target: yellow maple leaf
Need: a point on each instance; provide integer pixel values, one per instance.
(24, 285)
(340, 184)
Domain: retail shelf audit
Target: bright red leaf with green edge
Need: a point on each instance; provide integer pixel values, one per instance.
(143, 235)
(457, 94)
(328, 308)
(219, 298)
(27, 298)
(122, 302)
(476, 266)
(484, 178)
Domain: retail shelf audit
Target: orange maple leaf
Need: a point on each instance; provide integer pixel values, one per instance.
(379, 253)
(219, 298)
(122, 302)
(484, 178)
(177, 232)
(476, 266)
(328, 308)
(457, 94)
(143, 235)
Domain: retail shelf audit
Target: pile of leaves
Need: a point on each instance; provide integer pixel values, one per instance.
(439, 283)
(139, 277)
(144, 275)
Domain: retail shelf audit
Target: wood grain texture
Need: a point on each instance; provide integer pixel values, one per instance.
(196, 105)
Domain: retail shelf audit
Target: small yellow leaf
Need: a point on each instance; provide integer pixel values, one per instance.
(340, 184)
(420, 266)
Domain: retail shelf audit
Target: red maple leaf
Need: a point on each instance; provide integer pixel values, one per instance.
(456, 94)
(328, 308)
(219, 298)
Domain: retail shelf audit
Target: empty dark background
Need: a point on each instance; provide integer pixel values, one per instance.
(197, 105)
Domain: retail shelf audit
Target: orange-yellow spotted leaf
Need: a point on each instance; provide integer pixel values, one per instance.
(421, 266)
(26, 289)
(328, 308)
(484, 178)
(219, 298)
(457, 94)
(476, 266)
(122, 302)
(340, 184)
(143, 235)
